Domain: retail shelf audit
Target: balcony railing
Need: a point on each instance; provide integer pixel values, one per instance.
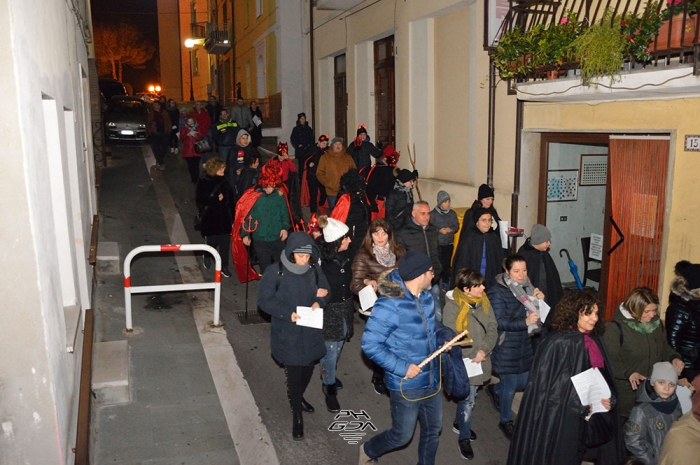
(217, 38)
(271, 108)
(676, 42)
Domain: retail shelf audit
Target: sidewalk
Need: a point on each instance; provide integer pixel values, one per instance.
(175, 414)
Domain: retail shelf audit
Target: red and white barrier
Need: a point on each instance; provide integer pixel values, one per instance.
(129, 289)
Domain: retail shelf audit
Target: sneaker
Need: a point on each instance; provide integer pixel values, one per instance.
(472, 434)
(172, 150)
(495, 400)
(364, 458)
(226, 272)
(206, 262)
(380, 388)
(507, 429)
(465, 449)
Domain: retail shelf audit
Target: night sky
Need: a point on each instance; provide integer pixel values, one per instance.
(144, 15)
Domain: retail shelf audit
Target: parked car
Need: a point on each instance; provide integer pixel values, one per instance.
(125, 118)
(111, 87)
(148, 96)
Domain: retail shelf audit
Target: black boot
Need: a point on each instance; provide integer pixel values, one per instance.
(331, 393)
(297, 426)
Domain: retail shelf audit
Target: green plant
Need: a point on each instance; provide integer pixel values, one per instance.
(555, 44)
(600, 48)
(509, 57)
(639, 32)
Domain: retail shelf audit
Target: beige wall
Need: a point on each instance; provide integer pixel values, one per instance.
(441, 91)
(677, 117)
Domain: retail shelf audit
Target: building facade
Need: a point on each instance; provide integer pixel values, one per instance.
(48, 203)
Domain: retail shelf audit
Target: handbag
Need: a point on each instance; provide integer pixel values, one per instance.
(202, 146)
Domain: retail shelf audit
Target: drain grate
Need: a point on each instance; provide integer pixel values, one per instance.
(252, 317)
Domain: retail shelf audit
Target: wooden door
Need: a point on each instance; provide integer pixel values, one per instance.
(341, 98)
(638, 167)
(384, 90)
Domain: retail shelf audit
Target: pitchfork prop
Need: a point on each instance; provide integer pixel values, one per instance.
(249, 229)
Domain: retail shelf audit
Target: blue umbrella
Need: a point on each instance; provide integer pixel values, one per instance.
(572, 267)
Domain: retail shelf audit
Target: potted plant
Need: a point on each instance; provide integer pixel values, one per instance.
(555, 44)
(640, 31)
(600, 48)
(512, 56)
(673, 33)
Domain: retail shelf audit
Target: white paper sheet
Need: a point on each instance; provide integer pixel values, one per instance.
(684, 396)
(367, 297)
(591, 387)
(503, 228)
(544, 310)
(257, 120)
(473, 369)
(310, 318)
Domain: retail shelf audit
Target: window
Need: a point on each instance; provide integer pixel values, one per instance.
(258, 7)
(246, 13)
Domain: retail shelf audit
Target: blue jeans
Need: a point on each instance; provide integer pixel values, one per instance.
(330, 361)
(404, 414)
(464, 414)
(332, 199)
(506, 391)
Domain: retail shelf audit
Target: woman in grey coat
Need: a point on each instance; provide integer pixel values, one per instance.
(468, 307)
(296, 282)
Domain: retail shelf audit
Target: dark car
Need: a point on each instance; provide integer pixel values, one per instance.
(125, 118)
(111, 87)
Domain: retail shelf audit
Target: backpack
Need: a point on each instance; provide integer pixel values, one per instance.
(455, 380)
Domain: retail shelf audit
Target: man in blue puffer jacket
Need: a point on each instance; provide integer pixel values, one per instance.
(398, 336)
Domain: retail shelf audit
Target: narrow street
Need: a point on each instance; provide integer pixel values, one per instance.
(171, 374)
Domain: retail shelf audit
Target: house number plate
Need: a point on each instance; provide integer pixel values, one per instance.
(692, 143)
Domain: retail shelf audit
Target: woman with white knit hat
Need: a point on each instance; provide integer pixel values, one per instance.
(336, 264)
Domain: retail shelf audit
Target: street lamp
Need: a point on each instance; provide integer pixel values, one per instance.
(189, 43)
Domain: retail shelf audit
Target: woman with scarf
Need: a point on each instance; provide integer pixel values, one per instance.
(515, 303)
(338, 313)
(399, 202)
(636, 340)
(552, 427)
(189, 135)
(467, 307)
(296, 282)
(377, 254)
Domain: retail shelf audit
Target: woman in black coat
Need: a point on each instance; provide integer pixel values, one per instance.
(336, 262)
(683, 317)
(471, 252)
(256, 132)
(552, 429)
(215, 201)
(514, 302)
(296, 282)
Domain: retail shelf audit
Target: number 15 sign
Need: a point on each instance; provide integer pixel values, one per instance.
(692, 143)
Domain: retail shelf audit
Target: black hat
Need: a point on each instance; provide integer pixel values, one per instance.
(485, 192)
(361, 129)
(690, 272)
(299, 115)
(413, 264)
(478, 212)
(407, 175)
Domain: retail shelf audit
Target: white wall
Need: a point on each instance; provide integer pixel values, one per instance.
(42, 61)
(584, 216)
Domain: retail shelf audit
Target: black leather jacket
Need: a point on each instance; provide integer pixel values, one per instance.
(683, 325)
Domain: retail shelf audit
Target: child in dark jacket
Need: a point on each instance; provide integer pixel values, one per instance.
(249, 176)
(656, 409)
(444, 219)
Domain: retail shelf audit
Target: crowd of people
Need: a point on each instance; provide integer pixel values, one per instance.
(367, 233)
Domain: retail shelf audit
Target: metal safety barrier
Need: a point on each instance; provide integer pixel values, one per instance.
(129, 289)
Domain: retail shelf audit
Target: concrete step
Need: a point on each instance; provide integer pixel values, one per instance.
(108, 258)
(110, 372)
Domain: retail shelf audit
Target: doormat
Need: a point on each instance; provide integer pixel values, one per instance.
(252, 317)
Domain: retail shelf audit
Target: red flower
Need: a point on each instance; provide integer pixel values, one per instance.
(623, 24)
(630, 39)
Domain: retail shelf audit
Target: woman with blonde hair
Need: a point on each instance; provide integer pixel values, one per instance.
(635, 340)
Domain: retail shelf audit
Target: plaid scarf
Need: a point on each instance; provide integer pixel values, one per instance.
(523, 292)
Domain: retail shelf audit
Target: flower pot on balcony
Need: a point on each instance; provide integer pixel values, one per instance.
(680, 36)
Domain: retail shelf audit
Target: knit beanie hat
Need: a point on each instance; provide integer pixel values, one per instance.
(413, 264)
(485, 191)
(442, 196)
(332, 228)
(407, 175)
(299, 115)
(539, 234)
(665, 371)
(361, 129)
(336, 139)
(690, 272)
